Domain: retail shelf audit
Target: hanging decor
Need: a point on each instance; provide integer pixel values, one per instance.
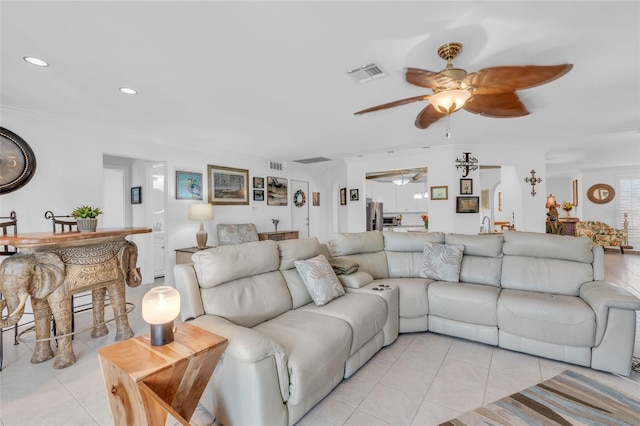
(467, 163)
(533, 180)
(299, 198)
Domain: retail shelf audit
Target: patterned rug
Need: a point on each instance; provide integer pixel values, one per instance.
(567, 399)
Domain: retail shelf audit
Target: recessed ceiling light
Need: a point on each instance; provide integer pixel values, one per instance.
(36, 61)
(128, 91)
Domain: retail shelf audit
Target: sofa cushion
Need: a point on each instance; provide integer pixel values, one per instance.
(212, 266)
(482, 259)
(564, 320)
(250, 300)
(356, 242)
(410, 241)
(317, 347)
(534, 244)
(545, 275)
(320, 280)
(299, 294)
(442, 262)
(412, 295)
(297, 249)
(365, 313)
(469, 303)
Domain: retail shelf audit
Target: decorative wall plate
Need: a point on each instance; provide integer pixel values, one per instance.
(17, 162)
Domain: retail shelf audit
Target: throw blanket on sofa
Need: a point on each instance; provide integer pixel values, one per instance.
(343, 266)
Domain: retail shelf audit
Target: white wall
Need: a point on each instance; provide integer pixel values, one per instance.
(529, 211)
(69, 157)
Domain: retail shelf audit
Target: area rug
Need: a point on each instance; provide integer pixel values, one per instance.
(567, 399)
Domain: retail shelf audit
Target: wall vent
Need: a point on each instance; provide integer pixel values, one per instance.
(274, 165)
(368, 72)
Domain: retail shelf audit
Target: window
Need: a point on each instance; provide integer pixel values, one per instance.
(630, 204)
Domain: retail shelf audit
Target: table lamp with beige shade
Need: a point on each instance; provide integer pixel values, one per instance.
(201, 212)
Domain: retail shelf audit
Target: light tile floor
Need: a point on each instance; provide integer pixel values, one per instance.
(421, 379)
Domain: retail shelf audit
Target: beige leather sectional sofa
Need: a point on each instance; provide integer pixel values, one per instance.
(534, 293)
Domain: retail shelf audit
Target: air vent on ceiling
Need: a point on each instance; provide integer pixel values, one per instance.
(312, 160)
(274, 165)
(368, 72)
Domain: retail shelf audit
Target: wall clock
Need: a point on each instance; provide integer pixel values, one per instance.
(17, 161)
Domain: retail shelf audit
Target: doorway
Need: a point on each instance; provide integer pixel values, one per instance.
(300, 212)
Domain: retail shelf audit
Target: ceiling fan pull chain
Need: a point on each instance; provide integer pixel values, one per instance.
(448, 129)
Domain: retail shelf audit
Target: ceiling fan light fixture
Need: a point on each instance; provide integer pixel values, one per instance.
(402, 181)
(449, 101)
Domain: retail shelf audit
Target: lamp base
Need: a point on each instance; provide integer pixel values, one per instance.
(161, 334)
(201, 237)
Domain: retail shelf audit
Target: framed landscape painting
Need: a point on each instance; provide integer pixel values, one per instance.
(188, 186)
(467, 204)
(228, 185)
(277, 191)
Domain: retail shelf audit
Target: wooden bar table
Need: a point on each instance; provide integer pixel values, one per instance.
(69, 238)
(144, 383)
(75, 262)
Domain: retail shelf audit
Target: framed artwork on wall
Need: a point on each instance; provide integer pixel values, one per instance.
(277, 191)
(466, 186)
(228, 186)
(354, 195)
(188, 185)
(316, 199)
(136, 195)
(575, 192)
(439, 192)
(499, 201)
(258, 182)
(467, 204)
(258, 195)
(484, 199)
(343, 196)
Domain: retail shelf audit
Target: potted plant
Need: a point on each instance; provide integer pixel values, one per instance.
(86, 217)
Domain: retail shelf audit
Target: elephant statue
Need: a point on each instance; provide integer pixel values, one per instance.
(52, 276)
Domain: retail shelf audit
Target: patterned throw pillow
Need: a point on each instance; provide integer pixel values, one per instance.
(442, 262)
(320, 280)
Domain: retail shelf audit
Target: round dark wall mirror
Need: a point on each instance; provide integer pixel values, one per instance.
(601, 193)
(17, 161)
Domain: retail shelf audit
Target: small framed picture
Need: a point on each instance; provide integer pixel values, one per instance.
(466, 186)
(258, 182)
(188, 185)
(316, 199)
(467, 204)
(277, 191)
(136, 195)
(439, 192)
(258, 195)
(343, 196)
(354, 195)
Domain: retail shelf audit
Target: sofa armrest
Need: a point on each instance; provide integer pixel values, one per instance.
(355, 280)
(248, 345)
(190, 298)
(601, 296)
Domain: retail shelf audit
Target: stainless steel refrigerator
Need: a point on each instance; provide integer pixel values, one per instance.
(374, 216)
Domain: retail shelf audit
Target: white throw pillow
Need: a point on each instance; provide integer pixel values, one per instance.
(442, 262)
(321, 282)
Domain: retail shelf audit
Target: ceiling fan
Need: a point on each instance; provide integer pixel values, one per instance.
(490, 92)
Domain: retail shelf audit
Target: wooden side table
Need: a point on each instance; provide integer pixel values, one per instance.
(183, 255)
(278, 235)
(145, 383)
(568, 225)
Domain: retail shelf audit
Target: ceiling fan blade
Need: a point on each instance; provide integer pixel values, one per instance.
(423, 78)
(427, 117)
(496, 105)
(394, 104)
(509, 78)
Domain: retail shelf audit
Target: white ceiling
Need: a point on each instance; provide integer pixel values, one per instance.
(269, 77)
